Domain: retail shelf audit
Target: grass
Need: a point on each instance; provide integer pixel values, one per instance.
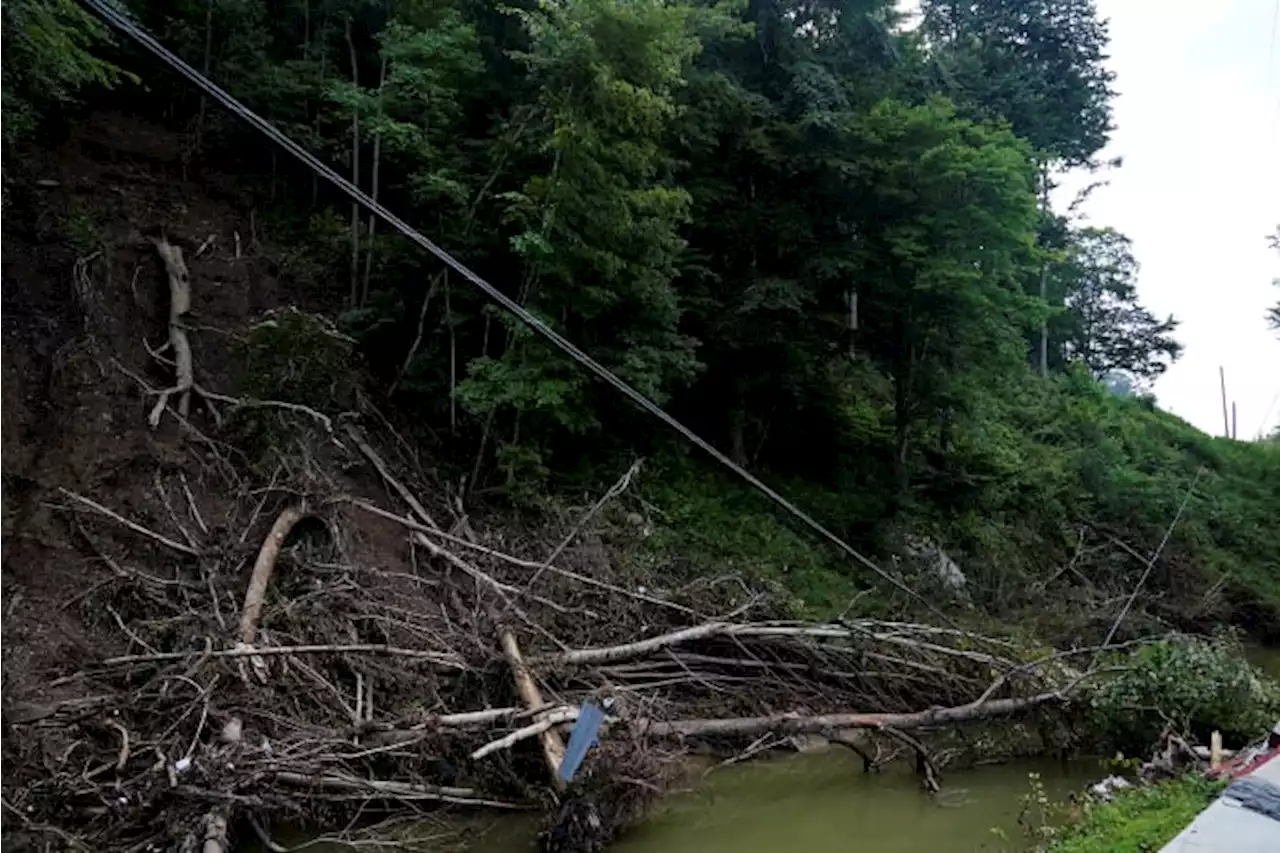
(1138, 820)
(708, 526)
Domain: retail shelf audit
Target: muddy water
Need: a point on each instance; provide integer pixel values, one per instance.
(825, 804)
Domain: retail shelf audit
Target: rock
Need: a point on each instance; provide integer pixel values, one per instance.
(937, 562)
(808, 744)
(232, 731)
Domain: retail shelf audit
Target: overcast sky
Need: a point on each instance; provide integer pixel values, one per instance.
(1198, 124)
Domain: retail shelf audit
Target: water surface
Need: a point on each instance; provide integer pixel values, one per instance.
(820, 803)
(824, 803)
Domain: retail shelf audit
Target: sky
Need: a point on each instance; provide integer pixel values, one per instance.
(1198, 124)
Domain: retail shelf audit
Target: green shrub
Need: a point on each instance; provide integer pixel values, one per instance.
(1137, 820)
(296, 358)
(1195, 685)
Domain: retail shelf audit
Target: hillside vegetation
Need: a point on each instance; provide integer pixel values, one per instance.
(353, 534)
(817, 233)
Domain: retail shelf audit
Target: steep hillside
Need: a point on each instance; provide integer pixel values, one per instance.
(128, 549)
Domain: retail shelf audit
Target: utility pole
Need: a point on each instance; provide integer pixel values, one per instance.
(1044, 274)
(1222, 379)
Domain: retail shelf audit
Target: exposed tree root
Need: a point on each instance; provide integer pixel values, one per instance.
(262, 569)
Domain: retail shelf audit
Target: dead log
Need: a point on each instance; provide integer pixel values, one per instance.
(552, 743)
(257, 591)
(818, 724)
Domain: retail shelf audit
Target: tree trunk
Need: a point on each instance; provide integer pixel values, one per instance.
(373, 178)
(208, 59)
(738, 435)
(453, 355)
(901, 413)
(355, 173)
(1044, 276)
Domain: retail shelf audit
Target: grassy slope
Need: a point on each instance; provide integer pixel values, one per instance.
(1019, 486)
(1139, 820)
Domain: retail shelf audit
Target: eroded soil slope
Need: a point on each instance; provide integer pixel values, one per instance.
(84, 297)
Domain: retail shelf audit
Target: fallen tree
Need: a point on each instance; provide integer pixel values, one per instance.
(436, 680)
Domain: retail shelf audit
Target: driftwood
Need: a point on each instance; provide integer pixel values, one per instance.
(429, 641)
(527, 688)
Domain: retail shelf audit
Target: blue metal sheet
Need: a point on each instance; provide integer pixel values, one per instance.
(585, 732)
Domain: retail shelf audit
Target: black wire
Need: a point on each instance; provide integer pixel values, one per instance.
(118, 19)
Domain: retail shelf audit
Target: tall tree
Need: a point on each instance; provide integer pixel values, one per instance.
(769, 274)
(597, 219)
(948, 215)
(1038, 64)
(1104, 326)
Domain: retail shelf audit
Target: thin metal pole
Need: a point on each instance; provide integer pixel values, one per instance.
(1226, 424)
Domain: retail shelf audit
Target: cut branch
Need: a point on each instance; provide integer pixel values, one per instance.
(392, 790)
(134, 526)
(541, 727)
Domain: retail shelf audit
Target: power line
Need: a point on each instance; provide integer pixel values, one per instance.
(122, 22)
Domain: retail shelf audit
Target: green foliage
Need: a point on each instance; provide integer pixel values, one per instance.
(51, 52)
(711, 528)
(298, 358)
(82, 229)
(1038, 64)
(1191, 684)
(1137, 820)
(809, 230)
(954, 215)
(1104, 326)
(597, 223)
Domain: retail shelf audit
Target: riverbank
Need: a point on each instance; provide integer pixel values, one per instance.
(1136, 820)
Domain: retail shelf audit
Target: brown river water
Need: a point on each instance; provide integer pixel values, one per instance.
(816, 803)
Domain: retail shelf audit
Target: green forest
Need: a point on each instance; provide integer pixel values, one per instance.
(819, 233)
(303, 531)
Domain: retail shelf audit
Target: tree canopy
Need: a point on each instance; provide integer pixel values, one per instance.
(817, 233)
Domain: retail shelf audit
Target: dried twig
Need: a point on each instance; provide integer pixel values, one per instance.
(132, 525)
(445, 660)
